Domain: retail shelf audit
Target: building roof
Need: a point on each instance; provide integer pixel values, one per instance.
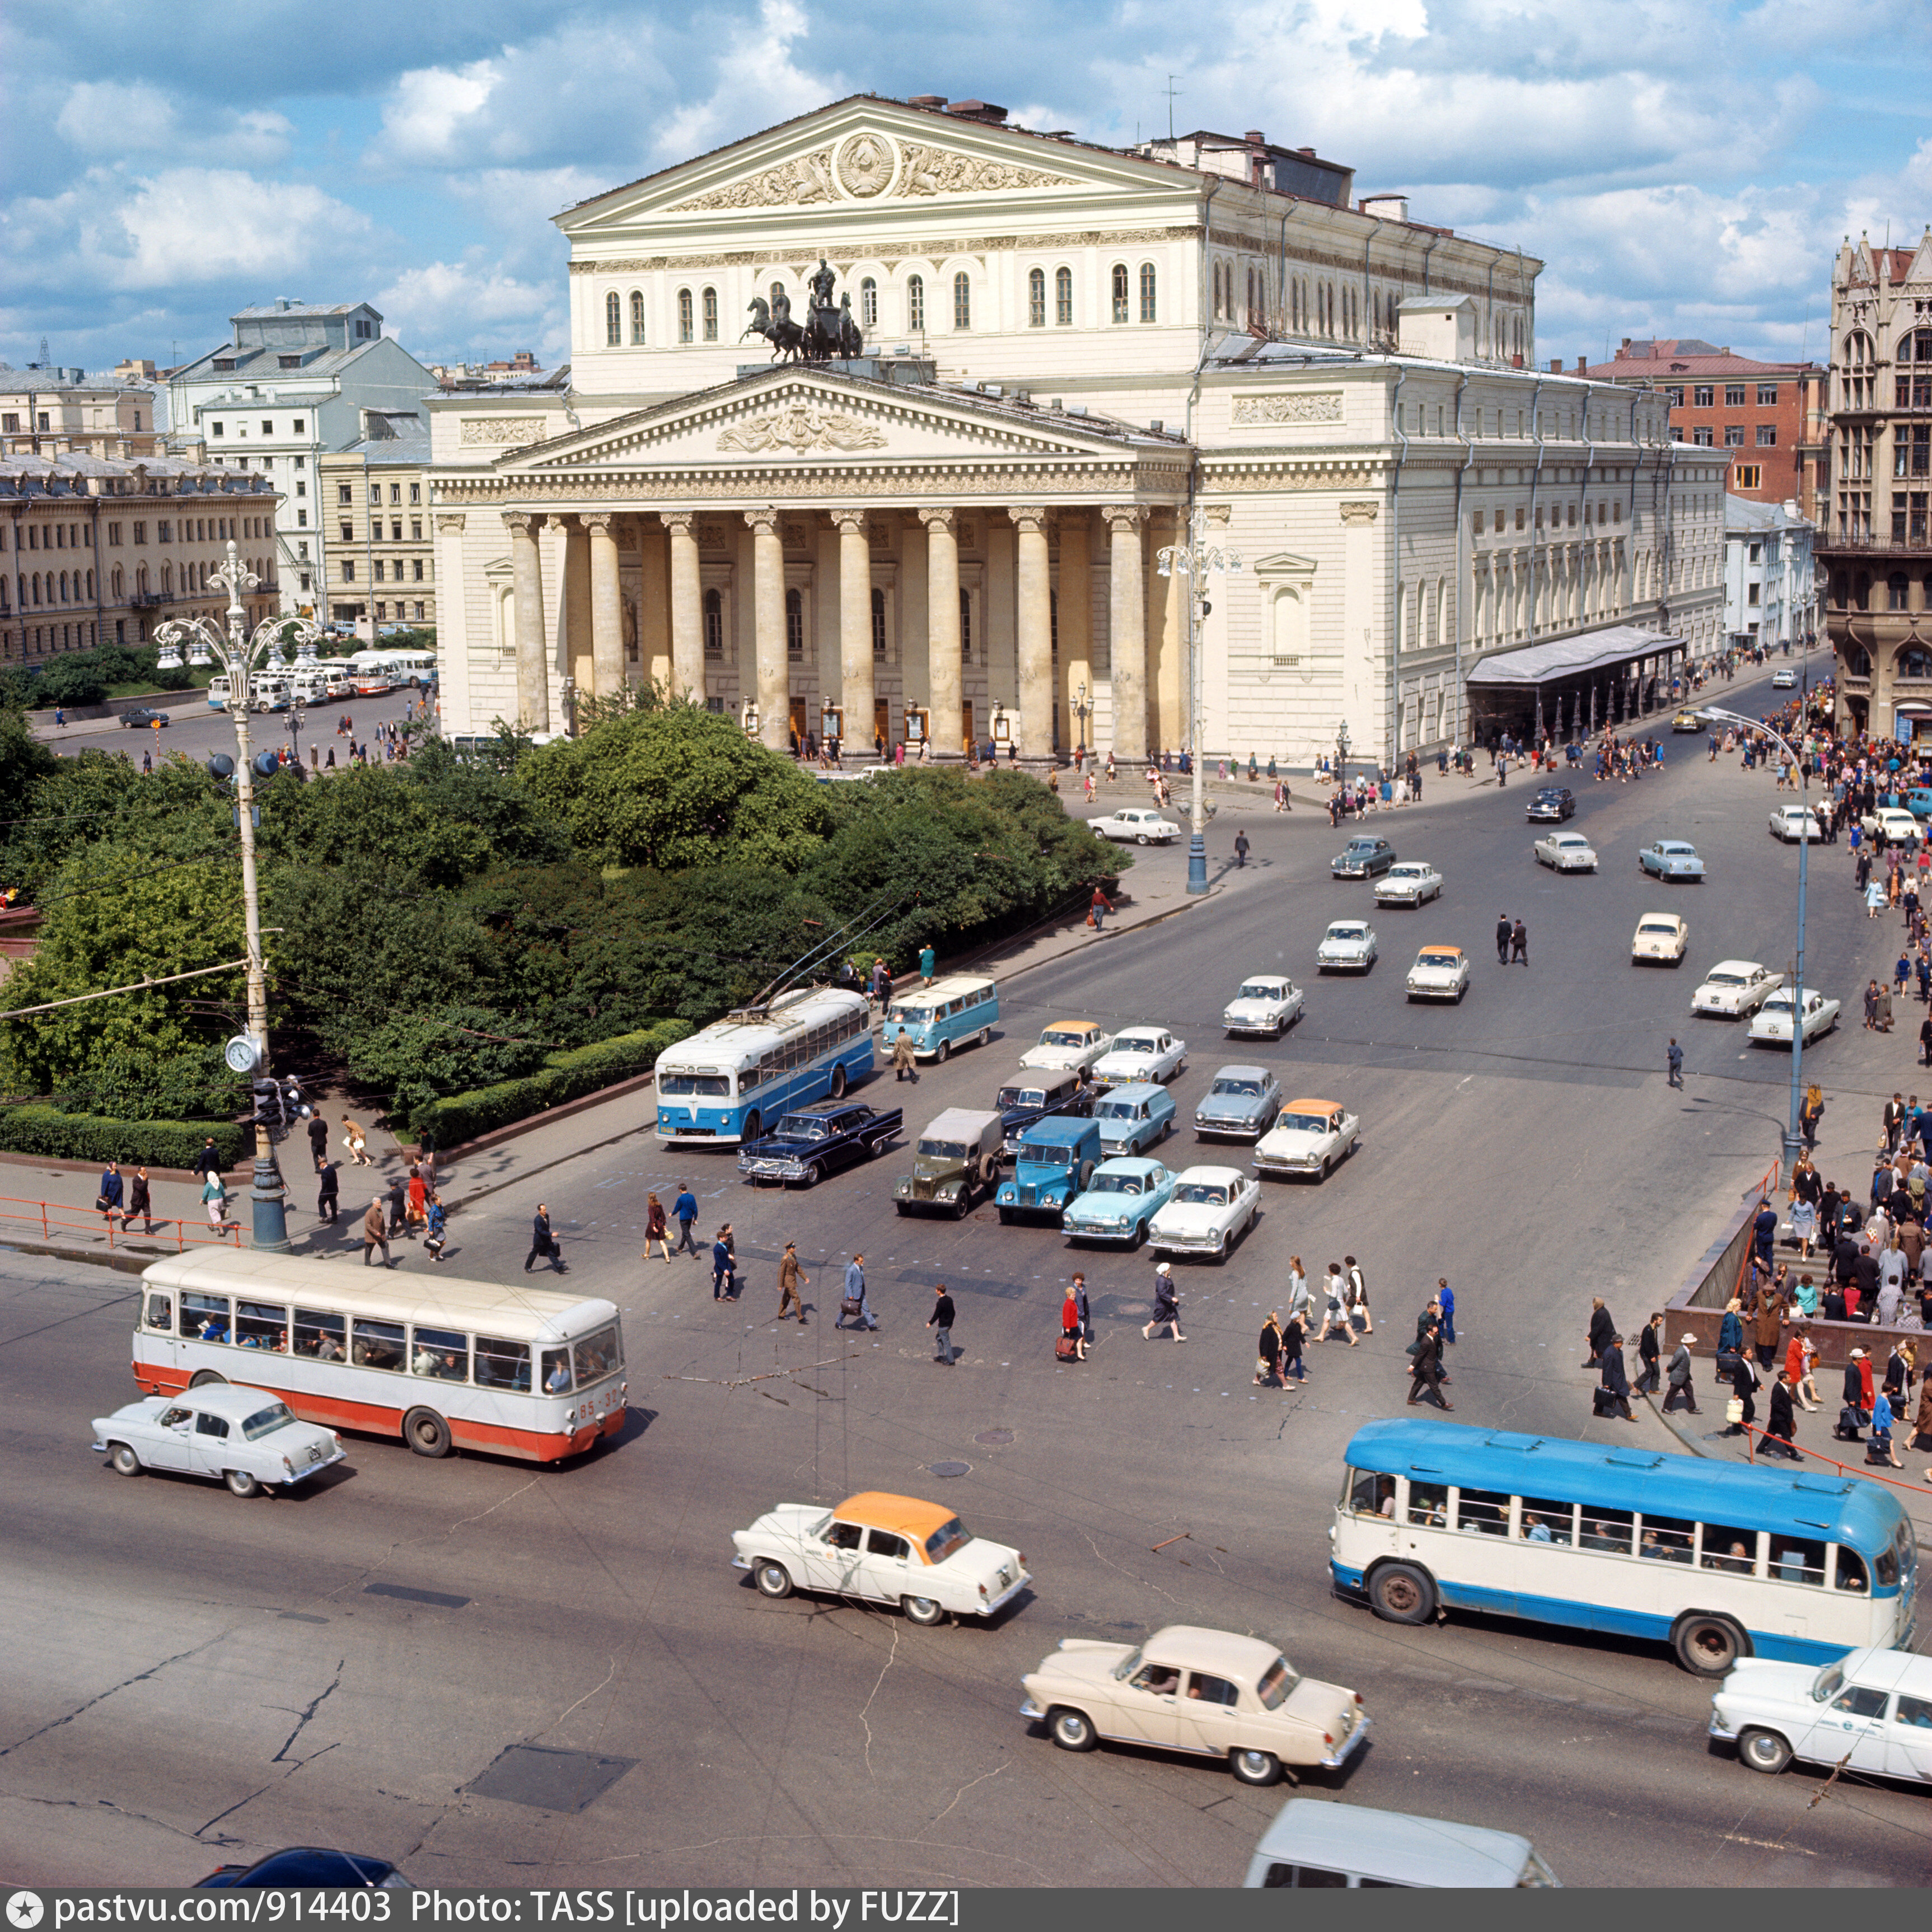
(1661, 362)
(395, 436)
(67, 474)
(258, 310)
(1742, 514)
(253, 362)
(1566, 657)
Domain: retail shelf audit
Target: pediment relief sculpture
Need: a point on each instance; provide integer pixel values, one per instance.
(801, 427)
(865, 167)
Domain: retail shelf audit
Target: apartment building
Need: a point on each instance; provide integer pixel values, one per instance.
(378, 547)
(1771, 591)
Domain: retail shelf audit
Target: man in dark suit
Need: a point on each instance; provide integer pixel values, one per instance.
(1602, 1326)
(1783, 1422)
(1502, 938)
(1426, 1364)
(1614, 1380)
(543, 1243)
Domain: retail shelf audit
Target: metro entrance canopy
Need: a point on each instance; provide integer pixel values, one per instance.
(1573, 686)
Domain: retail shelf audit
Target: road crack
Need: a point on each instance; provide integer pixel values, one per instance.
(314, 1704)
(126, 1683)
(966, 1787)
(890, 1657)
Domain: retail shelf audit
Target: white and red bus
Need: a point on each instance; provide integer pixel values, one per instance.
(517, 1371)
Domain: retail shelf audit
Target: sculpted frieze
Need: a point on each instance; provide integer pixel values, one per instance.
(501, 429)
(1318, 406)
(800, 427)
(940, 171)
(797, 183)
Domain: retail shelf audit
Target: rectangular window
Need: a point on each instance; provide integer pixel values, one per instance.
(1548, 1522)
(1767, 436)
(395, 529)
(140, 533)
(1767, 395)
(416, 493)
(1703, 395)
(301, 520)
(419, 610)
(597, 1355)
(348, 570)
(1608, 1532)
(343, 494)
(205, 1316)
(1746, 476)
(1734, 436)
(415, 529)
(348, 532)
(261, 1325)
(220, 429)
(1721, 1547)
(375, 496)
(416, 567)
(1701, 438)
(378, 1345)
(1484, 1511)
(376, 570)
(1674, 395)
(1734, 395)
(441, 1353)
(268, 429)
(163, 531)
(1668, 1538)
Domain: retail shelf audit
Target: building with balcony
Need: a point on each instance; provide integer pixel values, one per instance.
(1876, 547)
(1771, 591)
(379, 551)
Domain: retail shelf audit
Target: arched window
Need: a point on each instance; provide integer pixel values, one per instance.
(63, 585)
(90, 583)
(709, 310)
(684, 315)
(1118, 280)
(962, 301)
(1915, 662)
(1149, 289)
(1214, 308)
(916, 304)
(140, 582)
(795, 623)
(613, 332)
(637, 317)
(714, 623)
(117, 583)
(1035, 299)
(869, 303)
(168, 580)
(1253, 306)
(965, 627)
(1063, 297)
(878, 623)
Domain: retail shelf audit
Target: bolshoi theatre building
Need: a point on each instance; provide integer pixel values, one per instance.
(1002, 372)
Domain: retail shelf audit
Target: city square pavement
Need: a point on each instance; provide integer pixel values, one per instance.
(208, 1677)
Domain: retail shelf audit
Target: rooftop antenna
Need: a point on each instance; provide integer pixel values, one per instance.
(1171, 91)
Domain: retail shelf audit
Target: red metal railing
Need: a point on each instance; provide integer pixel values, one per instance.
(1900, 1481)
(52, 1219)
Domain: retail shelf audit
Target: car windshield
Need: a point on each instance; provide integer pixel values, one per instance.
(1048, 1156)
(949, 1538)
(1651, 925)
(943, 1150)
(1202, 1194)
(1348, 932)
(1249, 1089)
(1135, 1042)
(673, 1082)
(802, 1127)
(1778, 1002)
(905, 1015)
(1022, 1096)
(1570, 842)
(1127, 1666)
(1676, 851)
(1258, 989)
(1407, 871)
(1364, 844)
(1115, 1183)
(1725, 979)
(1828, 1683)
(1061, 1036)
(266, 1421)
(1304, 1124)
(1115, 1110)
(1277, 1681)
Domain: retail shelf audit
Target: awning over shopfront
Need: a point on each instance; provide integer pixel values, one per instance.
(1573, 685)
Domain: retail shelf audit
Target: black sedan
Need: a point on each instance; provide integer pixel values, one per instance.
(1552, 806)
(305, 1866)
(142, 717)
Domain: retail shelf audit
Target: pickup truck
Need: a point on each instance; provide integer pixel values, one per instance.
(809, 1144)
(958, 1154)
(1054, 1165)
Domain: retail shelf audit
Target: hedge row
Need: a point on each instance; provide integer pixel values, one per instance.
(46, 1130)
(565, 1076)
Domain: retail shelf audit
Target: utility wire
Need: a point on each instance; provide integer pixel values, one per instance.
(110, 992)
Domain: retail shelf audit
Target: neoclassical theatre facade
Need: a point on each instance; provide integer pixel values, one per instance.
(1068, 358)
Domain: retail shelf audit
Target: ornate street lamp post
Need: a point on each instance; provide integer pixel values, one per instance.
(1082, 710)
(240, 655)
(1197, 560)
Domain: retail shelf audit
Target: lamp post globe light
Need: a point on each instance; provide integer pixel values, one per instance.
(1198, 561)
(240, 655)
(1082, 710)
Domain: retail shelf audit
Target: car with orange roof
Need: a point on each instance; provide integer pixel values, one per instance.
(1308, 1137)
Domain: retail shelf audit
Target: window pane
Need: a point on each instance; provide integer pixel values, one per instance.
(613, 335)
(1547, 1522)
(1063, 297)
(1607, 1531)
(1916, 1711)
(1120, 291)
(161, 1312)
(378, 1345)
(883, 1543)
(321, 1335)
(1850, 1573)
(556, 1371)
(1036, 299)
(504, 1365)
(441, 1353)
(915, 302)
(962, 301)
(1147, 291)
(261, 1324)
(1429, 1504)
(205, 1315)
(1860, 1700)
(1485, 1511)
(1724, 1548)
(1667, 1537)
(1318, 1878)
(1208, 1690)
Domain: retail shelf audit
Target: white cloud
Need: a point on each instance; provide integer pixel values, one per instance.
(435, 113)
(459, 308)
(105, 117)
(756, 81)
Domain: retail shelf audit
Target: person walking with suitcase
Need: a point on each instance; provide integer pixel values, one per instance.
(543, 1243)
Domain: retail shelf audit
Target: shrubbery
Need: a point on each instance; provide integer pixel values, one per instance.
(59, 1136)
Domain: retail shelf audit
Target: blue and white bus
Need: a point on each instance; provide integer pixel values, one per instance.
(1719, 1561)
(729, 1082)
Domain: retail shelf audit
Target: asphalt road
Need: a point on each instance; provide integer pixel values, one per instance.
(208, 1677)
(195, 731)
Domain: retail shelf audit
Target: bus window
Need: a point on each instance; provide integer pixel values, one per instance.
(324, 1337)
(161, 1313)
(1734, 1550)
(1886, 1567)
(1665, 1536)
(441, 1353)
(597, 1355)
(1371, 1495)
(717, 1086)
(205, 1315)
(1547, 1522)
(260, 1325)
(504, 1365)
(556, 1371)
(1607, 1531)
(1850, 1574)
(1485, 1511)
(1428, 1504)
(1796, 1559)
(378, 1345)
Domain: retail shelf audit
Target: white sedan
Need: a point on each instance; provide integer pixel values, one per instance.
(1136, 824)
(1733, 988)
(884, 1549)
(1409, 883)
(1792, 823)
(1565, 852)
(1770, 1026)
(1209, 1206)
(1308, 1137)
(1869, 1711)
(1141, 1053)
(1348, 945)
(1660, 935)
(1440, 973)
(1067, 1045)
(243, 1437)
(1268, 1002)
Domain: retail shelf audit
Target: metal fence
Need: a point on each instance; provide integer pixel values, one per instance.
(55, 1222)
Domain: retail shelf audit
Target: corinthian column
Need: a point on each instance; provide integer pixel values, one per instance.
(1034, 592)
(526, 605)
(855, 628)
(606, 608)
(1127, 630)
(944, 723)
(687, 609)
(768, 620)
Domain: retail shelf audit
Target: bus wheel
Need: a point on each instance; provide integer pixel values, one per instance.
(203, 1377)
(1765, 1751)
(986, 1036)
(426, 1432)
(1707, 1646)
(1399, 1593)
(750, 1132)
(838, 1083)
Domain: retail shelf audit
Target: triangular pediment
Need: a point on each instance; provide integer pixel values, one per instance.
(1921, 270)
(1285, 563)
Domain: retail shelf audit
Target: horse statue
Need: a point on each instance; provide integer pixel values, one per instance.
(785, 335)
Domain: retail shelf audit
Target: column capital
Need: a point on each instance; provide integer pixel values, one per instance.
(520, 521)
(1121, 517)
(1359, 513)
(597, 522)
(679, 523)
(946, 519)
(1031, 517)
(765, 521)
(852, 523)
(558, 519)
(450, 519)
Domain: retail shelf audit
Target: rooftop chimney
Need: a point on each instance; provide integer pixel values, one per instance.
(1257, 156)
(1583, 363)
(1308, 152)
(926, 101)
(977, 110)
(1556, 365)
(1626, 342)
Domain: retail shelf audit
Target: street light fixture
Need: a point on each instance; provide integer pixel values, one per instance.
(240, 654)
(1082, 711)
(1197, 560)
(1342, 751)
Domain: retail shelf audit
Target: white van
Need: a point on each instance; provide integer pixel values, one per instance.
(1315, 1845)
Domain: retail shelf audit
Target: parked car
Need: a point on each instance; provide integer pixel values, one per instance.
(1733, 988)
(1267, 1004)
(1389, 1850)
(1210, 1208)
(1409, 883)
(1869, 1711)
(1207, 1691)
(1671, 858)
(307, 1867)
(1552, 806)
(1029, 1097)
(1770, 1024)
(145, 717)
(1054, 1164)
(1348, 945)
(1688, 721)
(882, 1550)
(1440, 973)
(241, 1436)
(1783, 679)
(1133, 1117)
(1142, 1053)
(1310, 1137)
(1241, 1103)
(1792, 823)
(1120, 1201)
(1068, 1043)
(956, 1156)
(1919, 801)
(1137, 823)
(807, 1145)
(1362, 858)
(1565, 852)
(1660, 935)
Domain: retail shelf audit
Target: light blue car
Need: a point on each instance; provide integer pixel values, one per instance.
(1122, 1197)
(1134, 1117)
(1671, 858)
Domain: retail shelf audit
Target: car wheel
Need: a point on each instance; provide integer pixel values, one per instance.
(1327, 1165)
(1141, 839)
(203, 1377)
(923, 1610)
(1402, 1593)
(838, 1083)
(1708, 1645)
(773, 1580)
(1070, 1730)
(986, 1036)
(812, 1176)
(124, 1460)
(1765, 1751)
(963, 1206)
(426, 1432)
(1255, 1767)
(241, 1484)
(901, 1207)
(944, 1052)
(1137, 1237)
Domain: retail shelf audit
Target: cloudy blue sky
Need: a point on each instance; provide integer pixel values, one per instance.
(1684, 166)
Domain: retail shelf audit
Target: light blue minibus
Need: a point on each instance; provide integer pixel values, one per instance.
(957, 1011)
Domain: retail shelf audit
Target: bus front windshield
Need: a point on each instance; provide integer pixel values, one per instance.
(713, 1085)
